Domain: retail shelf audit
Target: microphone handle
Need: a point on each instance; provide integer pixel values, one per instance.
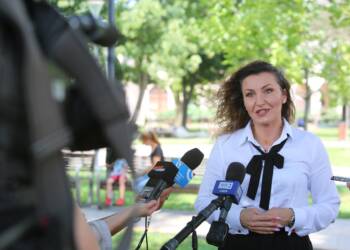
(340, 178)
(225, 208)
(219, 229)
(193, 224)
(223, 215)
(156, 190)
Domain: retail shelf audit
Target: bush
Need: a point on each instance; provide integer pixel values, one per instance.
(167, 116)
(330, 117)
(200, 113)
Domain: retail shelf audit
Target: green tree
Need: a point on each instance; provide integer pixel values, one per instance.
(277, 31)
(336, 71)
(269, 30)
(69, 7)
(337, 64)
(184, 54)
(142, 24)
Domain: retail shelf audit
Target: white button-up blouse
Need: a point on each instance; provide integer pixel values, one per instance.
(306, 171)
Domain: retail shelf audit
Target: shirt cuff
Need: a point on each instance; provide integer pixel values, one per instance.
(234, 221)
(300, 220)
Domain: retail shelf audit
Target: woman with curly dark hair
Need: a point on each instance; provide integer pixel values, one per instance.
(283, 165)
(231, 113)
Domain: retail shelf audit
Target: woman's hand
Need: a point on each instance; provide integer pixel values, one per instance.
(260, 222)
(284, 215)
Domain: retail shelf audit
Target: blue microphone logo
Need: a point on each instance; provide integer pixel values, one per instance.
(184, 175)
(230, 188)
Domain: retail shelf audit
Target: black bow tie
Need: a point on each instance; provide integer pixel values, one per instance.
(272, 158)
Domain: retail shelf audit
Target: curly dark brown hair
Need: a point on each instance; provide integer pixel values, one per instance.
(231, 114)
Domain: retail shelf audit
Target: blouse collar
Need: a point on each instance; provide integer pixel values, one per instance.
(247, 135)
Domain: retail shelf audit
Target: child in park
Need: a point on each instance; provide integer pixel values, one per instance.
(118, 173)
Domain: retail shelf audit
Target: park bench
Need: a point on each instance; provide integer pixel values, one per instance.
(80, 168)
(140, 162)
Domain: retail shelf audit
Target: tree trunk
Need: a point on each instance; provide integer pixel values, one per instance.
(307, 99)
(143, 81)
(343, 126)
(347, 118)
(344, 113)
(187, 95)
(178, 108)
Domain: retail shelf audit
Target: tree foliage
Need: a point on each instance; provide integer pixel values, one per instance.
(188, 44)
(184, 54)
(268, 30)
(337, 61)
(141, 23)
(70, 7)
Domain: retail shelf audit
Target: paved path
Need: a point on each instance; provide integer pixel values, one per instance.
(335, 237)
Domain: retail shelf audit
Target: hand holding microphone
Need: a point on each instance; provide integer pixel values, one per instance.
(160, 178)
(165, 174)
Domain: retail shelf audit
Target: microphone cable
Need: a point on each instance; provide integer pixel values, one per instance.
(147, 223)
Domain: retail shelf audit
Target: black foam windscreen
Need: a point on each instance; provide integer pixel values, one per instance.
(192, 158)
(235, 171)
(165, 171)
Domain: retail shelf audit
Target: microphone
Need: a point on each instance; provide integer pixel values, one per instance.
(98, 31)
(161, 177)
(229, 189)
(165, 174)
(188, 162)
(340, 178)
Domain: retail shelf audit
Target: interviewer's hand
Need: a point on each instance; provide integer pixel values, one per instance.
(164, 196)
(259, 222)
(146, 209)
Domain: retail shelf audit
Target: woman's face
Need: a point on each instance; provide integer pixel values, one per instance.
(146, 141)
(263, 98)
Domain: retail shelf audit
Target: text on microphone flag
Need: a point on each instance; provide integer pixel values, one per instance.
(184, 175)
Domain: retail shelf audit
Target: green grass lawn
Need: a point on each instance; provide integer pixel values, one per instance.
(156, 240)
(326, 133)
(344, 211)
(339, 157)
